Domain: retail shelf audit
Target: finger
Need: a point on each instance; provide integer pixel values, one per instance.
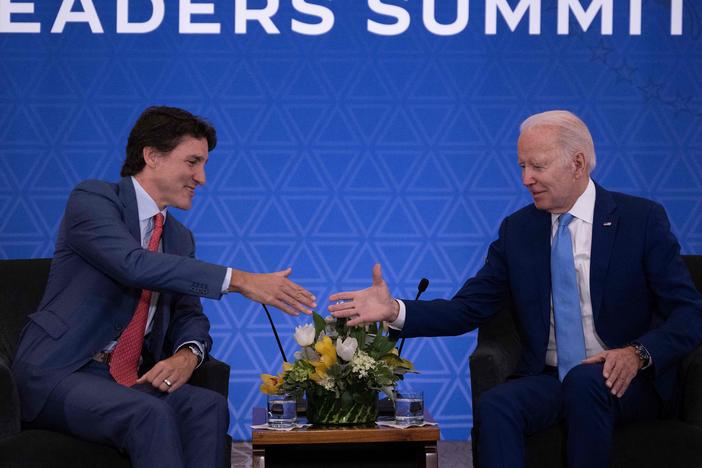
(277, 303)
(163, 386)
(299, 293)
(624, 387)
(377, 275)
(291, 297)
(157, 381)
(355, 321)
(608, 366)
(599, 357)
(622, 384)
(342, 296)
(342, 306)
(613, 372)
(148, 377)
(346, 313)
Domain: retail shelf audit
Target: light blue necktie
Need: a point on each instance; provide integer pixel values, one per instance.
(570, 343)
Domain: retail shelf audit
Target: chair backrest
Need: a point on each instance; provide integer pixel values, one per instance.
(22, 284)
(694, 264)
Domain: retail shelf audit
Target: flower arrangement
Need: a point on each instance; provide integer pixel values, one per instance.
(340, 362)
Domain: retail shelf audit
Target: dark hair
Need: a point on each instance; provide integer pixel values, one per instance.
(163, 128)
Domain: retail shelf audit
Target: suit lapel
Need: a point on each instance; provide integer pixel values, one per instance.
(539, 247)
(131, 211)
(163, 311)
(604, 230)
(168, 238)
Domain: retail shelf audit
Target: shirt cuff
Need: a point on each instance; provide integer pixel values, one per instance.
(400, 320)
(227, 280)
(199, 346)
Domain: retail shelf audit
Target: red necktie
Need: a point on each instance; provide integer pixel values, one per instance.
(125, 357)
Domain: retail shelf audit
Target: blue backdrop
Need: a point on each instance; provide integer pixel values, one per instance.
(359, 132)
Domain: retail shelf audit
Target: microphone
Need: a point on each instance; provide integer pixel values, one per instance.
(421, 287)
(275, 332)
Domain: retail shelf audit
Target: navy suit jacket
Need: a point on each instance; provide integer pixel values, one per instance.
(97, 274)
(640, 288)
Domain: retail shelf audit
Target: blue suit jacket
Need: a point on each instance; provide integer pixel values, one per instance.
(640, 288)
(97, 274)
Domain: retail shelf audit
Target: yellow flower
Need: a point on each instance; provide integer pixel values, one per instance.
(327, 358)
(325, 347)
(271, 383)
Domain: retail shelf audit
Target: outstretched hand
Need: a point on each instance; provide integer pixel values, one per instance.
(368, 305)
(274, 289)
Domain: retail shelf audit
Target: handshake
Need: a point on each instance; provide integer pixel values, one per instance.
(373, 304)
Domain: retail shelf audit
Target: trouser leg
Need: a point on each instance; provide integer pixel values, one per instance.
(508, 411)
(186, 428)
(591, 413)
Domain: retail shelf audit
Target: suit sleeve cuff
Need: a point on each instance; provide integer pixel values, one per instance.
(199, 346)
(227, 281)
(399, 322)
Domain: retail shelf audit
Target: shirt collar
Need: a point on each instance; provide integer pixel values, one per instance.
(146, 205)
(584, 207)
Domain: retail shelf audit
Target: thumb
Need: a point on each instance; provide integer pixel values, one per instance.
(285, 272)
(377, 275)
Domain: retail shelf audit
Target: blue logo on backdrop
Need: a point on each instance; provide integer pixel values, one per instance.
(350, 132)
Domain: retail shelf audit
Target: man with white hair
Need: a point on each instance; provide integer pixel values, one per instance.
(604, 304)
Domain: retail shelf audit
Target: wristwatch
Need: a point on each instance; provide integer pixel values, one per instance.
(196, 351)
(642, 353)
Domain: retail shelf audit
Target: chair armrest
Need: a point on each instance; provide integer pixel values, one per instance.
(490, 364)
(690, 375)
(9, 403)
(212, 374)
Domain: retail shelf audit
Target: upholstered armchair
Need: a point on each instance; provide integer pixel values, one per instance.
(672, 441)
(22, 284)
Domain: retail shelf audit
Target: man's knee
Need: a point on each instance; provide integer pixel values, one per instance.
(585, 383)
(491, 405)
(204, 401)
(152, 411)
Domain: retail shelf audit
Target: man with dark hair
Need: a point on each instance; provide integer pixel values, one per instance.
(604, 304)
(120, 328)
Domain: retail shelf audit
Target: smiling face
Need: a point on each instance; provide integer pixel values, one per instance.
(171, 178)
(554, 184)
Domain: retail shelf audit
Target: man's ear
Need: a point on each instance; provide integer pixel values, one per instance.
(579, 165)
(151, 156)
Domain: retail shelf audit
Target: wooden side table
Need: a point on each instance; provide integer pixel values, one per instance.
(344, 446)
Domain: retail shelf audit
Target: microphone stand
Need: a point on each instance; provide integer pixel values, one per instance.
(275, 332)
(421, 287)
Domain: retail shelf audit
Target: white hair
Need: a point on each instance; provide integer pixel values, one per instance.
(573, 135)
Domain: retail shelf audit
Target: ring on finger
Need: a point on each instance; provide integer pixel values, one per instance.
(167, 382)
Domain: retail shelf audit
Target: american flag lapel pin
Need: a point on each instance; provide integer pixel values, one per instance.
(608, 223)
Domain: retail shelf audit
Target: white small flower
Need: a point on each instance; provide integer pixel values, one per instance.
(327, 383)
(304, 335)
(362, 364)
(347, 348)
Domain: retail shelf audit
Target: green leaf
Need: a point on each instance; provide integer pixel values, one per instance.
(373, 328)
(319, 324)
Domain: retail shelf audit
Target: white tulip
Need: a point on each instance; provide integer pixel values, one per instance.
(347, 348)
(304, 335)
